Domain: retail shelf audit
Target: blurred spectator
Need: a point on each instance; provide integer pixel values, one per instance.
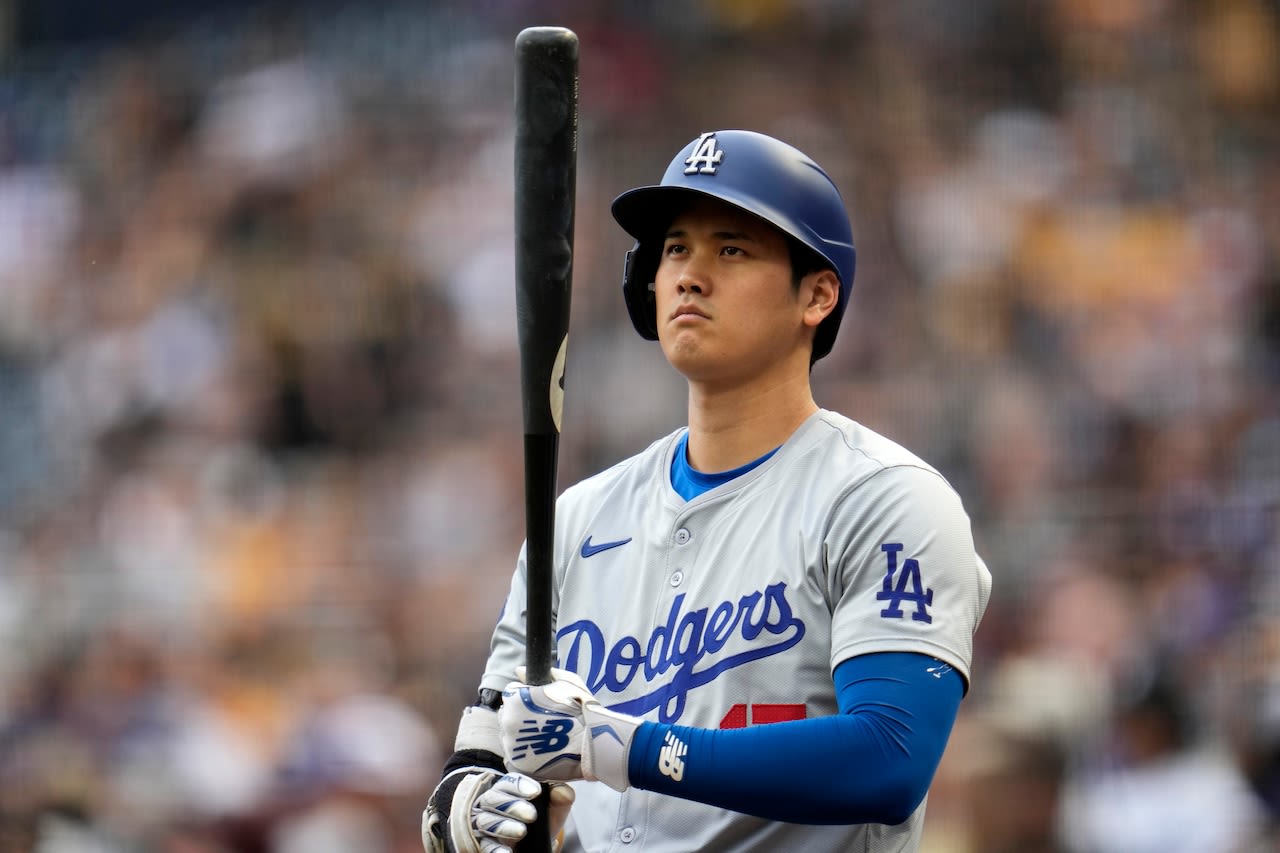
(1161, 786)
(998, 790)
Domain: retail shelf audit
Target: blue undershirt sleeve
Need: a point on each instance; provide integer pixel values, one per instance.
(871, 763)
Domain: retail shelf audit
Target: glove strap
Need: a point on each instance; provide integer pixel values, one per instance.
(439, 834)
(611, 735)
(473, 784)
(478, 729)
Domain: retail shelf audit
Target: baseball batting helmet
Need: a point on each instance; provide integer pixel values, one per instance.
(758, 174)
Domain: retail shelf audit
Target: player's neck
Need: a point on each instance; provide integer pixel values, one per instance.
(729, 427)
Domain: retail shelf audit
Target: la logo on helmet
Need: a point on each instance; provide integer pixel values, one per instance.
(705, 157)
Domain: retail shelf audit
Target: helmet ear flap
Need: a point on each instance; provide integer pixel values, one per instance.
(639, 269)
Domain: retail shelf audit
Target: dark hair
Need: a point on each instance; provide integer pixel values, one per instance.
(804, 261)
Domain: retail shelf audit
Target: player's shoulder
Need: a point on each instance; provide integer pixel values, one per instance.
(870, 472)
(859, 445)
(863, 460)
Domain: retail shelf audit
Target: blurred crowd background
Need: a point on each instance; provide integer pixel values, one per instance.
(260, 455)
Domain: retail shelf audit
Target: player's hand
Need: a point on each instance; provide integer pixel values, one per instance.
(478, 810)
(560, 732)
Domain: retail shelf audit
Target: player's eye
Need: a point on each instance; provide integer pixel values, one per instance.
(733, 251)
(674, 249)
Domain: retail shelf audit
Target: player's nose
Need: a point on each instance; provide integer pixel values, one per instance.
(693, 278)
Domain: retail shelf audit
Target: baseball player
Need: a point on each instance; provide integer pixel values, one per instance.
(764, 621)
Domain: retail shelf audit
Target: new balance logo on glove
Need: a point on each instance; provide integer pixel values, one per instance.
(671, 757)
(551, 736)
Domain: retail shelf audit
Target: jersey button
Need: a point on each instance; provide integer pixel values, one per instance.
(683, 536)
(677, 577)
(627, 835)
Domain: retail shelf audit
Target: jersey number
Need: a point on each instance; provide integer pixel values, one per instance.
(741, 716)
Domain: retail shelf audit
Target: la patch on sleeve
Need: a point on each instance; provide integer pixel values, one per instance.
(903, 584)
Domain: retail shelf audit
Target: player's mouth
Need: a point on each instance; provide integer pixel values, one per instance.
(688, 313)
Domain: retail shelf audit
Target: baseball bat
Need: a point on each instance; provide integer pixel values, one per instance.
(546, 149)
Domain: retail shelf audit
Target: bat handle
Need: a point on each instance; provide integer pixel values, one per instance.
(541, 453)
(539, 839)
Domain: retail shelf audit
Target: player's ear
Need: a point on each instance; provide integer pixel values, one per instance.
(821, 290)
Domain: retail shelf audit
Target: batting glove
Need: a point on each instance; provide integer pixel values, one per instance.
(478, 808)
(489, 812)
(560, 732)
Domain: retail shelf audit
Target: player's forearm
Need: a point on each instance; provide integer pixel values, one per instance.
(821, 771)
(871, 764)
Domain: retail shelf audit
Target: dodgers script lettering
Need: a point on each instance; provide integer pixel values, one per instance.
(689, 649)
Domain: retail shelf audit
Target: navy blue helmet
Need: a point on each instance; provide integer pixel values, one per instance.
(758, 174)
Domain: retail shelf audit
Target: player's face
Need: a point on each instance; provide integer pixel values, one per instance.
(726, 306)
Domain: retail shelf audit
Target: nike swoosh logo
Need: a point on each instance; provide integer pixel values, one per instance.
(938, 671)
(590, 549)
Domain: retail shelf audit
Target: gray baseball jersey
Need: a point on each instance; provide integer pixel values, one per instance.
(734, 608)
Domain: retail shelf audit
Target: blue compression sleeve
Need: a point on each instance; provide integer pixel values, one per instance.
(872, 763)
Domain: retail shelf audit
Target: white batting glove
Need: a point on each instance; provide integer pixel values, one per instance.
(560, 732)
(477, 808)
(489, 812)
